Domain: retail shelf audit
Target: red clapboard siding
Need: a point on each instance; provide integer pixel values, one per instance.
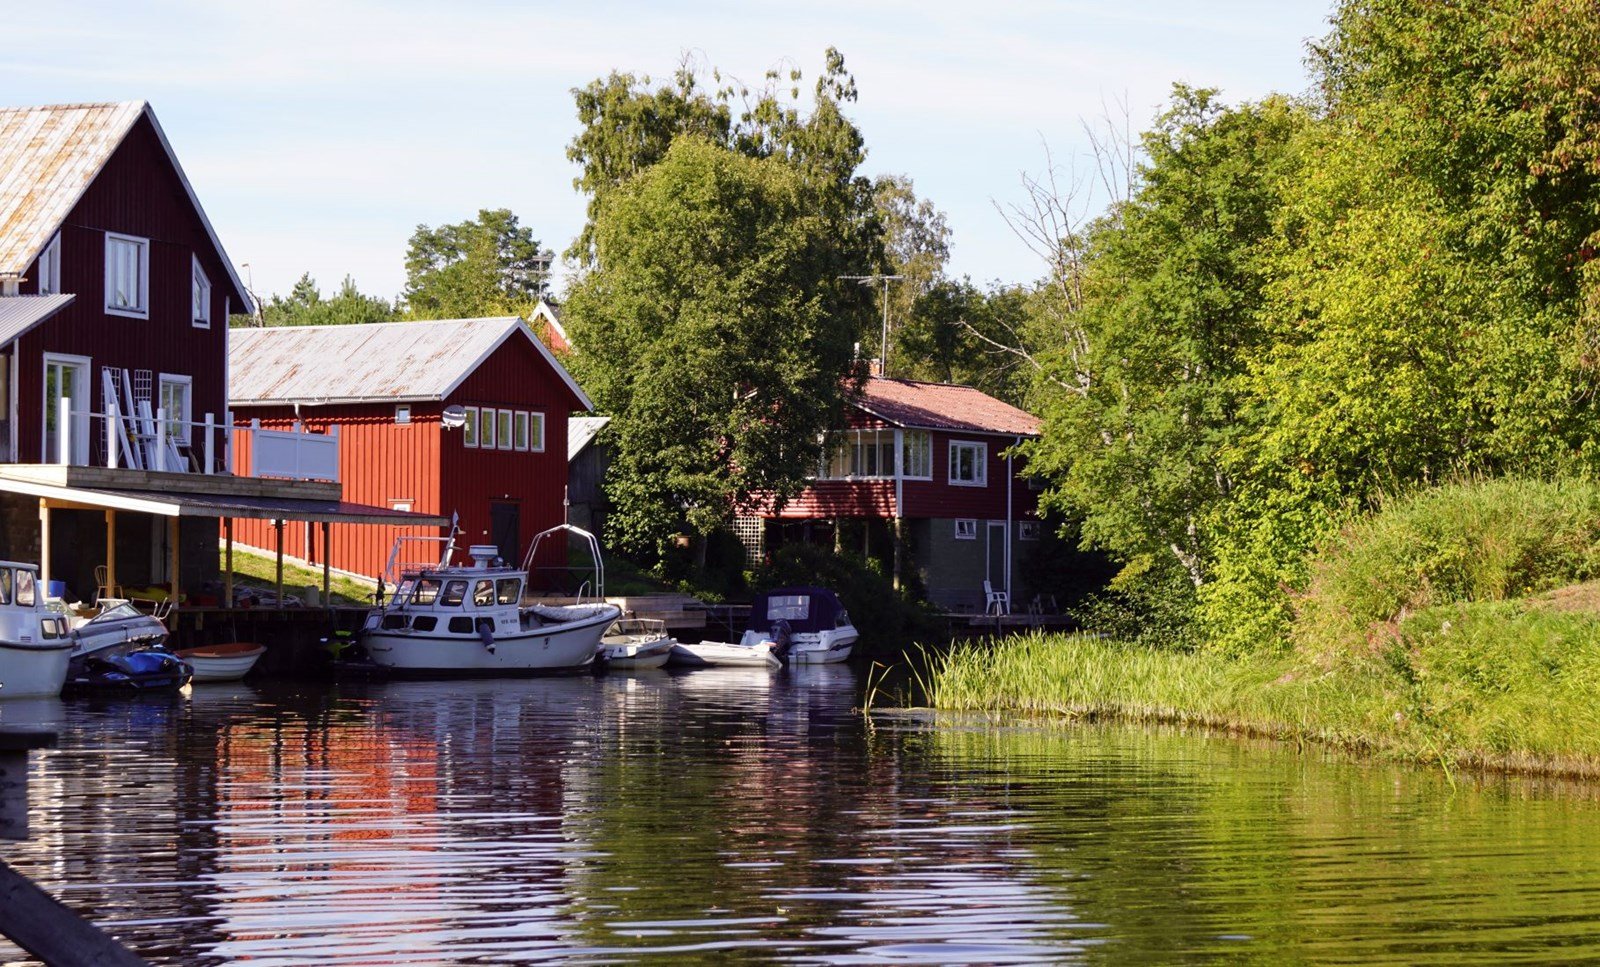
(137, 193)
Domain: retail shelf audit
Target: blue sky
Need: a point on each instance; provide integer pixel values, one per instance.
(319, 134)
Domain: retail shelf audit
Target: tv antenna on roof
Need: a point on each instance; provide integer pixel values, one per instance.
(883, 355)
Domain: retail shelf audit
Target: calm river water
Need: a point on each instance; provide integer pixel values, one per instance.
(728, 816)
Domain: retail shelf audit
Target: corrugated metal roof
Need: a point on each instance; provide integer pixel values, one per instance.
(20, 313)
(50, 155)
(581, 430)
(943, 406)
(383, 361)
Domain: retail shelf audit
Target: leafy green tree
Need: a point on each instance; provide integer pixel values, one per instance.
(1138, 397)
(951, 333)
(716, 333)
(628, 127)
(305, 306)
(488, 266)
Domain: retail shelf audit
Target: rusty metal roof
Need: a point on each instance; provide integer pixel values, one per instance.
(50, 155)
(942, 406)
(369, 363)
(20, 313)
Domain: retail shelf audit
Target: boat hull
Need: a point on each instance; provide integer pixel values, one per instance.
(637, 655)
(222, 663)
(544, 650)
(721, 654)
(33, 671)
(826, 649)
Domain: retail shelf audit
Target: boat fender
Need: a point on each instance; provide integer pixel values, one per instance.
(486, 633)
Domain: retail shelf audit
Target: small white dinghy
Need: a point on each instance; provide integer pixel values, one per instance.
(635, 643)
(222, 663)
(721, 654)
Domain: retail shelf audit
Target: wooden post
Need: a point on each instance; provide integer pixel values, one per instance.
(227, 563)
(64, 439)
(278, 526)
(899, 536)
(172, 559)
(44, 543)
(211, 444)
(111, 551)
(326, 577)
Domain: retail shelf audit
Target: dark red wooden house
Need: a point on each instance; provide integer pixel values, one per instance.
(923, 472)
(385, 388)
(117, 270)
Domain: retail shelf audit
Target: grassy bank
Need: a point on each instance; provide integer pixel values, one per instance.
(1457, 627)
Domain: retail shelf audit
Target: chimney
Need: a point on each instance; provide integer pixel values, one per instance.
(9, 281)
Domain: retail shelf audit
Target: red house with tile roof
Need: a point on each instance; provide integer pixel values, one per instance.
(931, 461)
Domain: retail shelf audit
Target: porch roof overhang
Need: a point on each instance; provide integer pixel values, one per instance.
(168, 504)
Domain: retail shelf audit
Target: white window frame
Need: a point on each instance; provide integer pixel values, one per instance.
(142, 309)
(402, 505)
(503, 437)
(926, 451)
(79, 433)
(486, 413)
(1027, 530)
(178, 434)
(519, 430)
(469, 429)
(50, 267)
(402, 414)
(200, 295)
(536, 432)
(980, 463)
(969, 525)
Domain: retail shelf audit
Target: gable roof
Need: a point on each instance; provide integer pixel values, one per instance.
(942, 406)
(581, 431)
(370, 363)
(50, 155)
(20, 313)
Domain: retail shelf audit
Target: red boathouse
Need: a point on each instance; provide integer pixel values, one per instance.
(394, 392)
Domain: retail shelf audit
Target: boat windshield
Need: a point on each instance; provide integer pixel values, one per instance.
(789, 607)
(116, 612)
(5, 585)
(25, 588)
(508, 591)
(427, 591)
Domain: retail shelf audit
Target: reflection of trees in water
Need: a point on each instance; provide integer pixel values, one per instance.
(1175, 841)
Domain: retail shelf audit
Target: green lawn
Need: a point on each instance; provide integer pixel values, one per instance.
(261, 572)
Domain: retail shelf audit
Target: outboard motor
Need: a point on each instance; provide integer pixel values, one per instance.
(782, 637)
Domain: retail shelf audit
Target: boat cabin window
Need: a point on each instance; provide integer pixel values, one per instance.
(5, 585)
(393, 622)
(53, 627)
(454, 593)
(483, 594)
(508, 591)
(789, 607)
(427, 591)
(25, 589)
(461, 626)
(424, 622)
(401, 593)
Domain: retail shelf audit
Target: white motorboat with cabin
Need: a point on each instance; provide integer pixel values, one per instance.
(448, 619)
(35, 644)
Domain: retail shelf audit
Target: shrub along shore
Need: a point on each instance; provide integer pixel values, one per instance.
(1460, 626)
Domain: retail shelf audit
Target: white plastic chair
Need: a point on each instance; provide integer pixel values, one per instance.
(995, 602)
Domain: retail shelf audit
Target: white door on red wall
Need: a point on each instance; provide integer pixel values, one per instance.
(66, 377)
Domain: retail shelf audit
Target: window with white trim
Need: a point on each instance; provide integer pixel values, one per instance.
(469, 429)
(858, 454)
(966, 529)
(200, 312)
(519, 430)
(402, 414)
(404, 505)
(536, 432)
(917, 463)
(969, 464)
(486, 428)
(1027, 530)
(50, 267)
(174, 401)
(127, 275)
(502, 440)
